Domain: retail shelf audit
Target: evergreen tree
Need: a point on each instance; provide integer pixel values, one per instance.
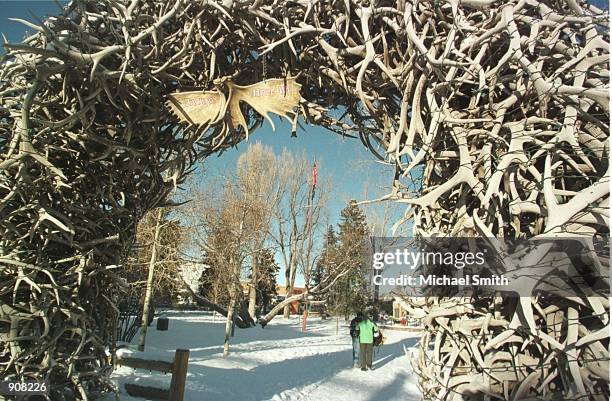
(326, 261)
(217, 278)
(212, 286)
(266, 278)
(350, 294)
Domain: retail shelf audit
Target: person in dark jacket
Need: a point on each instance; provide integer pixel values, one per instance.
(367, 330)
(354, 330)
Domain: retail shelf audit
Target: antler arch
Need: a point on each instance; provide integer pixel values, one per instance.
(500, 109)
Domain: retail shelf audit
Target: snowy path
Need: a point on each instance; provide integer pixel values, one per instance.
(278, 363)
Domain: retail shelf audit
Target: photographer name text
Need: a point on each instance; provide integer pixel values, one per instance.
(434, 280)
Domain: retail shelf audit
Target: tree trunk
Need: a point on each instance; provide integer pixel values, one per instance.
(253, 290)
(270, 315)
(305, 314)
(290, 281)
(228, 324)
(252, 301)
(147, 301)
(320, 288)
(288, 291)
(243, 320)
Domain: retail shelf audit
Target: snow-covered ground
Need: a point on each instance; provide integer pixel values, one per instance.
(279, 363)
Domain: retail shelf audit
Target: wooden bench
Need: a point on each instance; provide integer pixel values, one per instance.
(178, 369)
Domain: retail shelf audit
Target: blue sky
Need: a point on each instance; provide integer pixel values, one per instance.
(352, 168)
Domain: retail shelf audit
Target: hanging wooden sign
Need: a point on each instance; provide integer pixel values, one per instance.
(279, 96)
(196, 107)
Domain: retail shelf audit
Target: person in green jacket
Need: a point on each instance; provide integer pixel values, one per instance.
(367, 328)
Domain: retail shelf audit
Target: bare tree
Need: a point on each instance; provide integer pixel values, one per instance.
(296, 217)
(154, 263)
(149, 287)
(227, 221)
(258, 179)
(230, 230)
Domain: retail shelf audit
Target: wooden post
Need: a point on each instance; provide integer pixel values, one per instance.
(179, 375)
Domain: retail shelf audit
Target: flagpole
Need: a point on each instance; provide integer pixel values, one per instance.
(309, 236)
